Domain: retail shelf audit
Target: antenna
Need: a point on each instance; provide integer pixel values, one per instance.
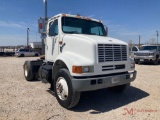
(157, 36)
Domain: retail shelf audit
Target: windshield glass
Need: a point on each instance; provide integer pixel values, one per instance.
(148, 48)
(81, 26)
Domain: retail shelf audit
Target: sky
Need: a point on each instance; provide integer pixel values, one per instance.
(125, 19)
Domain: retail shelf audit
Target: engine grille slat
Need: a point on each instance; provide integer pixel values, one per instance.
(111, 52)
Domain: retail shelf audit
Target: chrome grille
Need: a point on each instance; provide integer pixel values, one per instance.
(113, 67)
(142, 54)
(109, 52)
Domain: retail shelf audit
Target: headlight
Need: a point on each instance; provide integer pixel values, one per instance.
(85, 69)
(151, 54)
(132, 63)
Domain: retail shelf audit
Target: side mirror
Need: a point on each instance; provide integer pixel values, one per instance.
(106, 30)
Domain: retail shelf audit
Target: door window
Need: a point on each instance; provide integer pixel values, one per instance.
(53, 28)
(134, 48)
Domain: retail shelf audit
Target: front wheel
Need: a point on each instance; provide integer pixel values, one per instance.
(136, 61)
(65, 95)
(36, 55)
(29, 76)
(22, 55)
(155, 62)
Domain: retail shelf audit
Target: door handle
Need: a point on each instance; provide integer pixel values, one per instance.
(55, 39)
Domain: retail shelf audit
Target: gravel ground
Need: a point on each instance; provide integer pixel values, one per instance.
(22, 100)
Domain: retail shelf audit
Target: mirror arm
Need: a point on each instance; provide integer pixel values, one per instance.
(106, 30)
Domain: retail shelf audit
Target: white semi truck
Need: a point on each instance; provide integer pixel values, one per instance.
(79, 56)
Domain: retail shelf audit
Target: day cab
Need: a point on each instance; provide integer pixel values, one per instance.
(79, 56)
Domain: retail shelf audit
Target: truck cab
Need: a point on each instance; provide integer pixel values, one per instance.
(79, 56)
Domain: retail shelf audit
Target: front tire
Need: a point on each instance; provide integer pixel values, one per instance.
(155, 62)
(29, 76)
(22, 55)
(36, 55)
(65, 95)
(136, 61)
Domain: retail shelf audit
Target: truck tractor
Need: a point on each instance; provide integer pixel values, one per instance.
(79, 56)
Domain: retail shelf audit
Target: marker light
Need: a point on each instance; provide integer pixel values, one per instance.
(40, 25)
(64, 15)
(88, 18)
(60, 42)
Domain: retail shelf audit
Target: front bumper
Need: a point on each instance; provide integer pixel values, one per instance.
(145, 57)
(95, 83)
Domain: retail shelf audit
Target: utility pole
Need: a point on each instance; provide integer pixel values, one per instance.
(46, 19)
(28, 37)
(157, 36)
(139, 41)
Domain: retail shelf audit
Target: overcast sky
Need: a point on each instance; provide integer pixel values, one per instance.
(126, 19)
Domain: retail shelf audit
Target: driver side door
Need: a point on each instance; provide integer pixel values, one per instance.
(53, 41)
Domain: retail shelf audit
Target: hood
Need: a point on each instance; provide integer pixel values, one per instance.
(97, 39)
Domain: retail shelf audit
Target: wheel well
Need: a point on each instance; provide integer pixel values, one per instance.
(22, 54)
(58, 65)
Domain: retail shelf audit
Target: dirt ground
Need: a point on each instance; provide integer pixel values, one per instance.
(22, 100)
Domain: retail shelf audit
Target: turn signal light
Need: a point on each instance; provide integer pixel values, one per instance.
(77, 69)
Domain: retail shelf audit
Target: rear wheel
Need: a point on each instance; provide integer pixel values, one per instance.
(22, 55)
(65, 95)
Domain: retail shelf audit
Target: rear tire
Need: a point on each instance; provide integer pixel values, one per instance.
(29, 76)
(119, 89)
(65, 95)
(22, 55)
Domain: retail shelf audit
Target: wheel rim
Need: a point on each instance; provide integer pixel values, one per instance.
(25, 71)
(62, 88)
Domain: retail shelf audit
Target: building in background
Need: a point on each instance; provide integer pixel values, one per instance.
(36, 46)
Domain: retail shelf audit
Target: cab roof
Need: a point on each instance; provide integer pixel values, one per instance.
(74, 16)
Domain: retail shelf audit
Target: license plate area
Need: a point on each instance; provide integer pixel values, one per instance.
(115, 80)
(141, 60)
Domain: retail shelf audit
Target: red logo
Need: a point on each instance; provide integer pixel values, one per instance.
(127, 111)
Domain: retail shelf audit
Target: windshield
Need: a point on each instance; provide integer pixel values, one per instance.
(81, 26)
(148, 48)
